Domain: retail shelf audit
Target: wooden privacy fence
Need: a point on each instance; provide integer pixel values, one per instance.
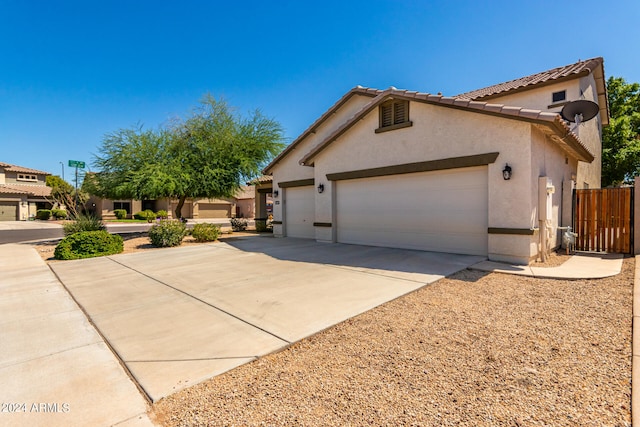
(603, 219)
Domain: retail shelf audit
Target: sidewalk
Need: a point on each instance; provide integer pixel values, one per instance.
(56, 369)
(579, 266)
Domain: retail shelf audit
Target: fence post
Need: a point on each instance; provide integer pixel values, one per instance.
(636, 218)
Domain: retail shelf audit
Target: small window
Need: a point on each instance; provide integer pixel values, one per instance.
(559, 96)
(25, 177)
(394, 115)
(122, 205)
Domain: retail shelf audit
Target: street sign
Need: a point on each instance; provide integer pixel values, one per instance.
(76, 164)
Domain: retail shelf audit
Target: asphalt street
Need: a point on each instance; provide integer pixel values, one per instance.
(31, 234)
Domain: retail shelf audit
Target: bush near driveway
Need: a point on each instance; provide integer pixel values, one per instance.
(167, 233)
(239, 224)
(84, 223)
(205, 232)
(88, 244)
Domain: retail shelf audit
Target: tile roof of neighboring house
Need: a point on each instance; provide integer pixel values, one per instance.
(263, 179)
(31, 190)
(246, 192)
(16, 168)
(553, 122)
(555, 75)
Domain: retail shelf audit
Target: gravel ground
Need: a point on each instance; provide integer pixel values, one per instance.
(475, 349)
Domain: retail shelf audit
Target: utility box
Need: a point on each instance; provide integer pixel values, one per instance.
(545, 198)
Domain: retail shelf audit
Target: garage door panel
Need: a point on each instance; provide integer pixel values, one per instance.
(8, 211)
(442, 211)
(300, 212)
(214, 210)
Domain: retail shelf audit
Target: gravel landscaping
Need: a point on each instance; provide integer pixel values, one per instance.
(474, 349)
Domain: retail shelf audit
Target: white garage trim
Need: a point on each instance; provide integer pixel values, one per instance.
(300, 211)
(443, 211)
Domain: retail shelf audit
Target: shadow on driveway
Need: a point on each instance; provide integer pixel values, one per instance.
(403, 263)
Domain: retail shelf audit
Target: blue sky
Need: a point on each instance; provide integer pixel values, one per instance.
(73, 71)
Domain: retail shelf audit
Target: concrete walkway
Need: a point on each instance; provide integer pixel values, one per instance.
(579, 266)
(56, 370)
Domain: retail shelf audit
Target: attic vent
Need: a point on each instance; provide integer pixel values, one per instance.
(394, 114)
(559, 96)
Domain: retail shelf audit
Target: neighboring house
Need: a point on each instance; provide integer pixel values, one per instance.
(412, 170)
(241, 205)
(22, 192)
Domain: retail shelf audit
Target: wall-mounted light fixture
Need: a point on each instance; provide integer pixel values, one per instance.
(320, 188)
(275, 193)
(506, 172)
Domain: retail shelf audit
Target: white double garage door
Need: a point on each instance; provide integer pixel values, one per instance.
(443, 211)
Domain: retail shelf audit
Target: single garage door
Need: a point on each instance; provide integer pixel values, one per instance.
(300, 212)
(8, 211)
(214, 210)
(443, 211)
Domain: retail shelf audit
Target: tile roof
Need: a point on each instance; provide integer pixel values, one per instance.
(245, 192)
(15, 168)
(471, 101)
(557, 128)
(578, 69)
(31, 190)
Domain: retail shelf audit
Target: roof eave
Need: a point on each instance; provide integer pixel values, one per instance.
(358, 90)
(549, 120)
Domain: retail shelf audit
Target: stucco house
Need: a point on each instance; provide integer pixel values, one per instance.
(22, 192)
(489, 172)
(242, 205)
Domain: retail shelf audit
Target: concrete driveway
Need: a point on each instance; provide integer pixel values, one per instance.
(176, 317)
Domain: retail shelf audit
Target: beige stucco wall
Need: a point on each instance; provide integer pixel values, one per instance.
(12, 178)
(289, 168)
(438, 133)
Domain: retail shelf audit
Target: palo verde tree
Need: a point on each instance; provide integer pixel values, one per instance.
(621, 139)
(210, 153)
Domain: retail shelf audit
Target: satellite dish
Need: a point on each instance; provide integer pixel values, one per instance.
(580, 111)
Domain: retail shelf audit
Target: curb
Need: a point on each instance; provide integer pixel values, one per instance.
(635, 346)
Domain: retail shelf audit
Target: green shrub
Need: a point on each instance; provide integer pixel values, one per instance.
(59, 213)
(120, 213)
(239, 224)
(43, 214)
(88, 244)
(84, 223)
(162, 214)
(205, 232)
(167, 233)
(147, 215)
(263, 225)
